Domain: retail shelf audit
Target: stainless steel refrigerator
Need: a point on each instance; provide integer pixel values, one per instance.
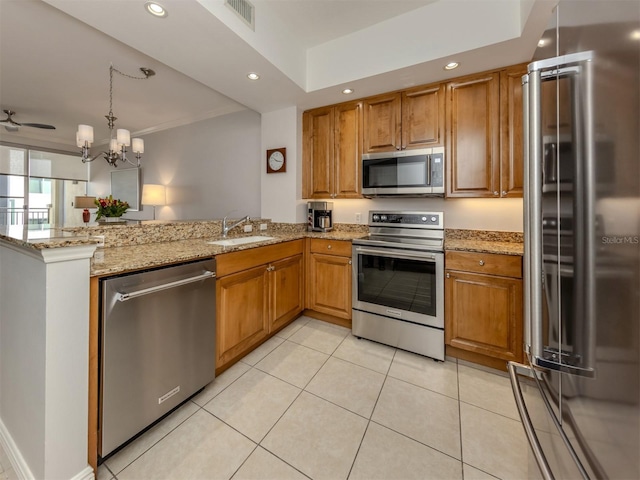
(579, 393)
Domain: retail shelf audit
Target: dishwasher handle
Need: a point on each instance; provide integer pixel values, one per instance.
(123, 297)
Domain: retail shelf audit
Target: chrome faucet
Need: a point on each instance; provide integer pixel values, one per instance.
(226, 228)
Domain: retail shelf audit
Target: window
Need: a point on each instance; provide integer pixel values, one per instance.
(37, 187)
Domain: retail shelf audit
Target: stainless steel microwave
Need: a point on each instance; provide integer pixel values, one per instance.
(412, 173)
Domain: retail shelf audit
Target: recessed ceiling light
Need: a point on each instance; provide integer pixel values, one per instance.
(253, 76)
(347, 91)
(156, 9)
(635, 35)
(542, 42)
(451, 65)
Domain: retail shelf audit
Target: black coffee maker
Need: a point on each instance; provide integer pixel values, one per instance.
(320, 216)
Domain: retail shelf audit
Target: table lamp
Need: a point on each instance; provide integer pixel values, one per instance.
(85, 202)
(154, 195)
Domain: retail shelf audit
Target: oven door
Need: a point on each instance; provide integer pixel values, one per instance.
(401, 284)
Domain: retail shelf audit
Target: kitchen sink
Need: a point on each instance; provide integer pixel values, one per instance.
(230, 242)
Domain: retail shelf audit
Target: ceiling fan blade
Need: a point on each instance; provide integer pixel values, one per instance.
(39, 125)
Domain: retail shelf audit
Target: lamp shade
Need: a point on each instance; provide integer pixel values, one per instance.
(84, 202)
(154, 194)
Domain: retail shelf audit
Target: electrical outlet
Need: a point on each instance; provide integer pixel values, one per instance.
(100, 239)
(263, 226)
(358, 218)
(248, 228)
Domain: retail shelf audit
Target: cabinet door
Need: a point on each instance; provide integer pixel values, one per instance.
(382, 122)
(511, 141)
(423, 116)
(318, 139)
(483, 314)
(242, 312)
(473, 155)
(286, 291)
(348, 150)
(329, 285)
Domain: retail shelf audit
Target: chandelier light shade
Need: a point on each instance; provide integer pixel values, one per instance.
(118, 140)
(154, 195)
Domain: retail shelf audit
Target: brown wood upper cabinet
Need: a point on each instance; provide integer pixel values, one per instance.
(484, 134)
(403, 120)
(332, 151)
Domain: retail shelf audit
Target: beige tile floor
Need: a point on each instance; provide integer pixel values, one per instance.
(315, 402)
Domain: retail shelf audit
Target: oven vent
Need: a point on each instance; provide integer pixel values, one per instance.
(244, 9)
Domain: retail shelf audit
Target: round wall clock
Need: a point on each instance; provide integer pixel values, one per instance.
(277, 160)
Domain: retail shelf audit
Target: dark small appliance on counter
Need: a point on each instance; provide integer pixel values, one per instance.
(320, 218)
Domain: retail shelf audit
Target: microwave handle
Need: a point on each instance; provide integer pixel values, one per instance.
(429, 163)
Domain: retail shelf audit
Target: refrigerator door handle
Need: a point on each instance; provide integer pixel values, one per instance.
(533, 215)
(529, 430)
(527, 225)
(581, 360)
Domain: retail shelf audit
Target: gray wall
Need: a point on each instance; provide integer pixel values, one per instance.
(210, 168)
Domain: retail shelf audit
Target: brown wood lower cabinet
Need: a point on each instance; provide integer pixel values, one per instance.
(242, 312)
(258, 291)
(329, 277)
(483, 306)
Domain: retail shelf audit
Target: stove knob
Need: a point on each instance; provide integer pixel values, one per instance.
(433, 219)
(376, 218)
(424, 219)
(383, 218)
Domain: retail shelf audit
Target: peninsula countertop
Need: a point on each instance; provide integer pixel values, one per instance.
(115, 260)
(155, 244)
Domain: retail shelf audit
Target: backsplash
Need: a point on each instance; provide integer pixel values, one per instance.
(144, 232)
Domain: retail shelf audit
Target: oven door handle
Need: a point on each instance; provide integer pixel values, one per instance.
(428, 257)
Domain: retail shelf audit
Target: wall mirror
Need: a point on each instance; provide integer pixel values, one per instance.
(125, 185)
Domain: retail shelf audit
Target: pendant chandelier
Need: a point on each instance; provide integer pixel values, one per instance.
(119, 141)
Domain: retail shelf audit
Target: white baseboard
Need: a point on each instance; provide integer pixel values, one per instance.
(86, 474)
(19, 464)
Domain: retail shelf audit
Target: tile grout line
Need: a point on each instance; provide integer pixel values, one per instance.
(353, 463)
(460, 420)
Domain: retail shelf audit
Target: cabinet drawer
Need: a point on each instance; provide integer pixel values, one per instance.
(488, 263)
(332, 247)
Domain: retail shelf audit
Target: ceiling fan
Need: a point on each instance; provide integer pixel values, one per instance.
(12, 126)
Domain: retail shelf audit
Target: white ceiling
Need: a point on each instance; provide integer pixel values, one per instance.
(55, 56)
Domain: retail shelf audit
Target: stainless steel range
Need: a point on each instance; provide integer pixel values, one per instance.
(398, 282)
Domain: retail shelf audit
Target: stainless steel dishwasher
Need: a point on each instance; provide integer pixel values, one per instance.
(157, 345)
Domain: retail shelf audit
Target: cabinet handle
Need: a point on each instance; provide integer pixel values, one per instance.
(398, 147)
(481, 263)
(329, 247)
(496, 193)
(270, 268)
(504, 193)
(350, 262)
(448, 275)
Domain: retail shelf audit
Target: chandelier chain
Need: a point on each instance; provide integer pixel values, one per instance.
(114, 69)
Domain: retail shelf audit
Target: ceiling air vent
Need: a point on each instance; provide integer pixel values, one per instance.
(244, 9)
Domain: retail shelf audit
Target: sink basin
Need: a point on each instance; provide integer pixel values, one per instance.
(230, 242)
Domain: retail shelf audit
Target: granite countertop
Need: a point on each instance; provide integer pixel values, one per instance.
(484, 246)
(37, 238)
(156, 244)
(114, 260)
(504, 243)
